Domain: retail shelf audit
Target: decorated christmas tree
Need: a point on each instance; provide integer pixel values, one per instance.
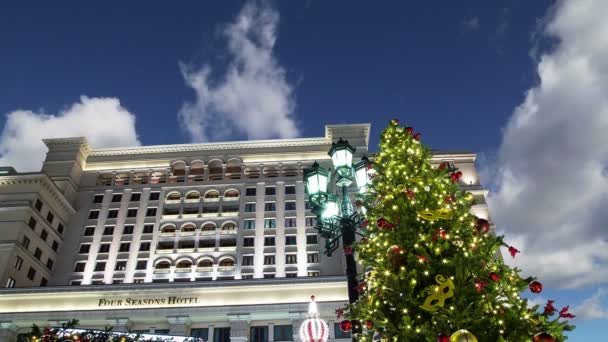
(433, 270)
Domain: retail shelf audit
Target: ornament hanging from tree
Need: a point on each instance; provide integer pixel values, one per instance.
(438, 294)
(536, 287)
(463, 335)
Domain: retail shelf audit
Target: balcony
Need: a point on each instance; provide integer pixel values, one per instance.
(227, 249)
(186, 250)
(167, 234)
(228, 231)
(225, 268)
(173, 201)
(161, 270)
(183, 270)
(190, 215)
(208, 231)
(210, 214)
(204, 269)
(192, 200)
(165, 251)
(206, 249)
(231, 198)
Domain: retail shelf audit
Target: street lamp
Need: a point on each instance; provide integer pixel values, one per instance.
(335, 216)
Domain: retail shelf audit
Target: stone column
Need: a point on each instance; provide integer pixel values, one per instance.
(224, 166)
(120, 324)
(270, 332)
(210, 332)
(179, 325)
(8, 332)
(239, 327)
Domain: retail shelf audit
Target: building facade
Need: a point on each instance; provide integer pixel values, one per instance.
(213, 240)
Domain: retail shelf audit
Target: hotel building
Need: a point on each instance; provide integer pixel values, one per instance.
(212, 240)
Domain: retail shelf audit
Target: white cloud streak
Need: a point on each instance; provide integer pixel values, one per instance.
(103, 121)
(594, 307)
(252, 96)
(552, 179)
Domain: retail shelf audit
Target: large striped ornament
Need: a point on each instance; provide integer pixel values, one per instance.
(463, 335)
(314, 330)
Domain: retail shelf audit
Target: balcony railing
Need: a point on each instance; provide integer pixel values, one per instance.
(228, 232)
(161, 270)
(204, 269)
(211, 199)
(183, 270)
(225, 268)
(165, 251)
(190, 215)
(173, 201)
(186, 250)
(231, 198)
(227, 248)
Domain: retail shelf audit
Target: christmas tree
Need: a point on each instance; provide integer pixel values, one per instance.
(433, 270)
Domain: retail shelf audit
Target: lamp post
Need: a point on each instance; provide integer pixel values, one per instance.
(336, 218)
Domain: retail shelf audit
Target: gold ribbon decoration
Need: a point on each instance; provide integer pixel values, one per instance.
(433, 215)
(438, 294)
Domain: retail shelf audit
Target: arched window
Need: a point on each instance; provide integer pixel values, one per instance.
(163, 265)
(208, 227)
(184, 264)
(231, 193)
(227, 262)
(205, 263)
(174, 196)
(188, 227)
(168, 229)
(229, 226)
(212, 195)
(193, 195)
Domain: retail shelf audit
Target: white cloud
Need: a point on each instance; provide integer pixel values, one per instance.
(103, 121)
(552, 177)
(252, 96)
(471, 24)
(594, 307)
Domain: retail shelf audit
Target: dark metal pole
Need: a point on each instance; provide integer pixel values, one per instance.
(348, 238)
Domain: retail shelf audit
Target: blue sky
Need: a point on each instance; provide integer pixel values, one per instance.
(523, 83)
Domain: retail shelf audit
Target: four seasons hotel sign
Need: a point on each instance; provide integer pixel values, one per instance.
(131, 302)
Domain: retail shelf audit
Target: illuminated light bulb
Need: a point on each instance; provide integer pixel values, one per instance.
(413, 281)
(426, 273)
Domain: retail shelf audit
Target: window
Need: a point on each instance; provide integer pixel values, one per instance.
(49, 264)
(141, 264)
(312, 239)
(291, 275)
(32, 223)
(25, 242)
(37, 253)
(75, 282)
(151, 212)
(104, 248)
(18, 262)
(269, 275)
(116, 198)
(135, 197)
(269, 241)
(291, 205)
(270, 223)
(55, 246)
(259, 334)
(311, 221)
(339, 333)
(43, 282)
(138, 280)
(250, 192)
(108, 230)
(89, 231)
(307, 205)
(118, 281)
(249, 224)
(290, 222)
(128, 229)
(270, 206)
(247, 260)
(154, 196)
(79, 267)
(112, 213)
(93, 214)
(84, 248)
(248, 242)
(44, 234)
(314, 273)
(97, 282)
(50, 217)
(250, 207)
(271, 190)
(247, 276)
(120, 265)
(221, 334)
(144, 247)
(38, 205)
(148, 228)
(283, 333)
(100, 266)
(124, 247)
(60, 228)
(291, 259)
(313, 257)
(290, 189)
(31, 273)
(268, 259)
(97, 198)
(290, 240)
(161, 331)
(10, 283)
(202, 333)
(132, 212)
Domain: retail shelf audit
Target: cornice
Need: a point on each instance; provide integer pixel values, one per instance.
(235, 145)
(56, 142)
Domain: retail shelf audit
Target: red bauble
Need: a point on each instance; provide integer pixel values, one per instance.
(346, 325)
(364, 223)
(443, 338)
(443, 165)
(422, 258)
(482, 226)
(348, 250)
(410, 194)
(480, 285)
(383, 224)
(536, 287)
(543, 337)
(417, 136)
(495, 277)
(369, 324)
(450, 199)
(409, 130)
